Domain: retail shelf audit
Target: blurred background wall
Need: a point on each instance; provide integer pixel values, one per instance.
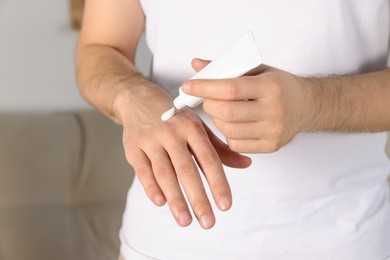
(37, 56)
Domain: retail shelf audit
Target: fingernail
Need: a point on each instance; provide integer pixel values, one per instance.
(183, 218)
(159, 200)
(224, 203)
(206, 221)
(186, 88)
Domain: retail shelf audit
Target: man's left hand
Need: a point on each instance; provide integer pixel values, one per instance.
(259, 112)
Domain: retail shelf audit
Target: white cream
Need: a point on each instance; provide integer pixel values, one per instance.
(168, 114)
(234, 62)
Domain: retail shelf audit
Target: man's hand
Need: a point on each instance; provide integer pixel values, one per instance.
(162, 155)
(257, 113)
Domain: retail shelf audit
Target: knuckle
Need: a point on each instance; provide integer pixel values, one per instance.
(200, 205)
(228, 113)
(141, 170)
(232, 89)
(177, 203)
(151, 189)
(208, 105)
(129, 144)
(201, 88)
(209, 159)
(185, 170)
(276, 87)
(221, 187)
(162, 171)
(228, 130)
(130, 154)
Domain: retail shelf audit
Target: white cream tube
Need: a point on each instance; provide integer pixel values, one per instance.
(234, 62)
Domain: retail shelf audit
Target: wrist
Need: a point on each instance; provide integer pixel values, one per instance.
(313, 89)
(140, 97)
(326, 97)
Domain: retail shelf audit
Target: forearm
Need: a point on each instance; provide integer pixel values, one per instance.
(111, 83)
(358, 103)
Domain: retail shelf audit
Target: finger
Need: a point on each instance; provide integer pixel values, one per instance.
(199, 64)
(209, 161)
(144, 173)
(226, 155)
(166, 178)
(243, 131)
(254, 145)
(243, 88)
(234, 111)
(191, 181)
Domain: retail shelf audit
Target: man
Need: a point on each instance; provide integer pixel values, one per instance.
(314, 186)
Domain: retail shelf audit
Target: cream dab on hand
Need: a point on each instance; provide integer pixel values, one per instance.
(168, 114)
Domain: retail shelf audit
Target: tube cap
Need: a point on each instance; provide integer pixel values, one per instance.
(178, 103)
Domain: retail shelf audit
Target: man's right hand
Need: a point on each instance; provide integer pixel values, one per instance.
(163, 154)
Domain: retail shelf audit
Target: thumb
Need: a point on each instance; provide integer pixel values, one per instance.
(227, 156)
(198, 64)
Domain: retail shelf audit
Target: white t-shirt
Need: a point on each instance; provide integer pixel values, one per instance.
(324, 196)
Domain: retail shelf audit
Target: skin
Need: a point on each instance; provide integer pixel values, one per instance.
(258, 113)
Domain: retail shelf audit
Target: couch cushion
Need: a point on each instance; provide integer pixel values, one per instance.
(63, 184)
(38, 153)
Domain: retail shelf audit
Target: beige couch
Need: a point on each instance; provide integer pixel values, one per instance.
(63, 182)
